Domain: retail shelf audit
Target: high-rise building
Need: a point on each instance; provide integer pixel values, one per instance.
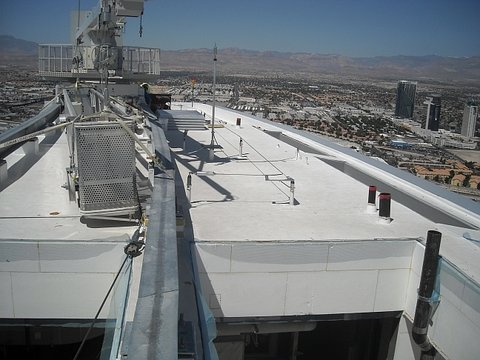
(469, 122)
(405, 99)
(433, 102)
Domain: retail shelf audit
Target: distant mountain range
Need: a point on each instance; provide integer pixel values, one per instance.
(13, 46)
(237, 61)
(17, 51)
(248, 62)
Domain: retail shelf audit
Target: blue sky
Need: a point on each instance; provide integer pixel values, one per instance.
(345, 27)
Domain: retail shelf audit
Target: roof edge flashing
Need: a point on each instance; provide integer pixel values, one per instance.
(422, 194)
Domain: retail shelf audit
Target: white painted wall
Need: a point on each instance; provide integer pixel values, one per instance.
(57, 280)
(276, 279)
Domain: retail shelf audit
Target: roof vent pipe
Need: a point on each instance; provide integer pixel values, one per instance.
(423, 310)
(372, 195)
(384, 208)
(240, 147)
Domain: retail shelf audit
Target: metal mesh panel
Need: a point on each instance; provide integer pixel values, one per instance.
(55, 59)
(106, 168)
(140, 60)
(83, 61)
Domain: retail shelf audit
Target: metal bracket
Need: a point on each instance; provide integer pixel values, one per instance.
(134, 248)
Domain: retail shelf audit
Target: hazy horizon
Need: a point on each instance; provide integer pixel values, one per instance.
(285, 52)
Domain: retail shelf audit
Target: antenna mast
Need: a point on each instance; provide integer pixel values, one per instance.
(212, 143)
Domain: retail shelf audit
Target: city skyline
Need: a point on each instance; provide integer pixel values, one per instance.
(345, 27)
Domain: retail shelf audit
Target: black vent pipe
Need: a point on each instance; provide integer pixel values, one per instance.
(384, 206)
(372, 193)
(424, 301)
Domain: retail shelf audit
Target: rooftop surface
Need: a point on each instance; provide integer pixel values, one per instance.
(35, 205)
(242, 198)
(246, 197)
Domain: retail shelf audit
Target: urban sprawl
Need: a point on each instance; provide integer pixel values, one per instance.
(430, 130)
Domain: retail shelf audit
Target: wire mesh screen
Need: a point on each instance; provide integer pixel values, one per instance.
(106, 168)
(55, 59)
(84, 61)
